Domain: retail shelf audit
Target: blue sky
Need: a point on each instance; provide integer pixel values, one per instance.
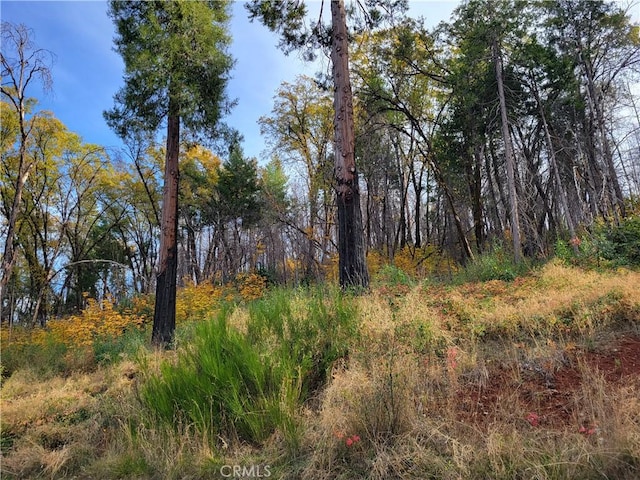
(87, 72)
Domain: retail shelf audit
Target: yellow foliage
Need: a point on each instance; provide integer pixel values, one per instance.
(251, 285)
(200, 302)
(142, 306)
(18, 335)
(197, 302)
(200, 163)
(376, 260)
(330, 268)
(99, 319)
(416, 263)
(405, 259)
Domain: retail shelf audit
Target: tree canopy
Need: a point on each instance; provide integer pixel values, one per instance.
(443, 154)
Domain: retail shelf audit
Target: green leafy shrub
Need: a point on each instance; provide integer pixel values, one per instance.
(46, 358)
(497, 264)
(607, 246)
(108, 349)
(624, 242)
(391, 275)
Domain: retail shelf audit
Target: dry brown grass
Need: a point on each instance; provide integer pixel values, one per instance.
(53, 425)
(496, 328)
(556, 291)
(438, 384)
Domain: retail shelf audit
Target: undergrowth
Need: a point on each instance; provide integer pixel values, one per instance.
(244, 384)
(411, 381)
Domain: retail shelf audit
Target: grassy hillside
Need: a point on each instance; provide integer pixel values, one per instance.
(536, 377)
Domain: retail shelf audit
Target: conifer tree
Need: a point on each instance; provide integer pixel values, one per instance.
(287, 19)
(176, 71)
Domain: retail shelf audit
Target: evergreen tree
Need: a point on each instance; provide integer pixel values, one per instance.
(176, 70)
(287, 19)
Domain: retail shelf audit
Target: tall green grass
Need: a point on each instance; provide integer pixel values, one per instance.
(220, 383)
(247, 383)
(112, 348)
(47, 359)
(306, 332)
(498, 264)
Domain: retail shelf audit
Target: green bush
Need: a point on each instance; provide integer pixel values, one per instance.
(47, 360)
(606, 246)
(110, 349)
(624, 242)
(497, 264)
(220, 383)
(391, 275)
(308, 335)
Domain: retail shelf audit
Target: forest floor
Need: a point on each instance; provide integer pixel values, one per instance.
(538, 377)
(547, 388)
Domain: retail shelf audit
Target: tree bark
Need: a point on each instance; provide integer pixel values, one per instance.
(615, 192)
(509, 158)
(8, 256)
(474, 175)
(562, 193)
(192, 255)
(351, 250)
(164, 317)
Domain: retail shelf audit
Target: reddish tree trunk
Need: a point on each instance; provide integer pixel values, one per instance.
(164, 317)
(352, 260)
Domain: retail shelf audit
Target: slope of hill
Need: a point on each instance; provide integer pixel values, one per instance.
(534, 378)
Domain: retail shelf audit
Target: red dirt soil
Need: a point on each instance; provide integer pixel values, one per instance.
(544, 393)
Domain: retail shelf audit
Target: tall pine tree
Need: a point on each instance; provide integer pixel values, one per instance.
(176, 71)
(287, 19)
